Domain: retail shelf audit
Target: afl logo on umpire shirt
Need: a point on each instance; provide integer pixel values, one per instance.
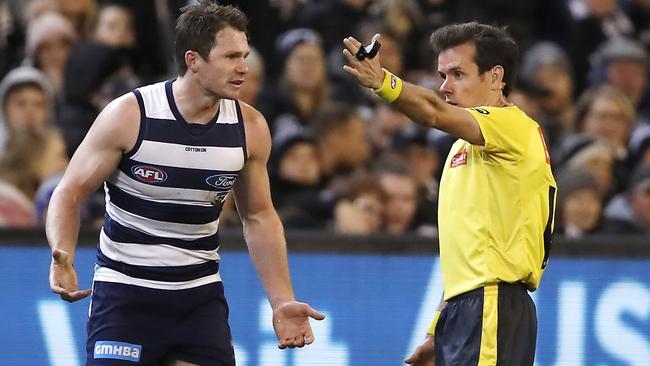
(149, 174)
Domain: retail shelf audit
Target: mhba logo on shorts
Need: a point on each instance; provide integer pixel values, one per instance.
(149, 174)
(118, 350)
(221, 181)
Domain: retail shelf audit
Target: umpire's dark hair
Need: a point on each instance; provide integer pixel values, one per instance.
(197, 25)
(494, 46)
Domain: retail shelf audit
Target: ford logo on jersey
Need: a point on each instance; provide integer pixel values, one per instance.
(149, 174)
(221, 181)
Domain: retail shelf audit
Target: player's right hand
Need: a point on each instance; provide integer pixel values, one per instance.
(423, 354)
(63, 277)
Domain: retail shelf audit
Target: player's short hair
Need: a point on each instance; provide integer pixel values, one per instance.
(197, 26)
(494, 46)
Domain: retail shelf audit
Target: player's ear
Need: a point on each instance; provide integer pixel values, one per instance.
(192, 60)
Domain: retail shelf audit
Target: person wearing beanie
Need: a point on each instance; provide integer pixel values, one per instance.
(50, 38)
(26, 102)
(579, 203)
(302, 88)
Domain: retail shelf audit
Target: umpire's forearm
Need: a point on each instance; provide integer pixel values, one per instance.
(62, 224)
(265, 239)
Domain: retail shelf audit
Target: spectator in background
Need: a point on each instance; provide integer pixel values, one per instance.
(386, 121)
(50, 37)
(401, 189)
(629, 212)
(31, 156)
(580, 204)
(302, 89)
(547, 66)
(25, 101)
(97, 71)
(333, 19)
(254, 79)
(295, 174)
(623, 63)
(595, 21)
(419, 155)
(114, 27)
(597, 158)
(341, 139)
(360, 211)
(606, 114)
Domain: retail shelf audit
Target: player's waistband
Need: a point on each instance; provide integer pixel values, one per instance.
(105, 274)
(517, 288)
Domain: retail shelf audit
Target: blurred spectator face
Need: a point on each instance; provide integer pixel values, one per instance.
(75, 7)
(26, 107)
(253, 80)
(401, 202)
(600, 8)
(386, 122)
(598, 159)
(114, 27)
(582, 209)
(52, 53)
(606, 120)
(300, 164)
(361, 216)
(423, 160)
(629, 76)
(463, 85)
(560, 86)
(305, 67)
(352, 144)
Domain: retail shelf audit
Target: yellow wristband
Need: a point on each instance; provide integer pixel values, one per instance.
(434, 322)
(390, 88)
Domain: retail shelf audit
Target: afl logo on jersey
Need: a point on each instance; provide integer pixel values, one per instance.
(221, 181)
(149, 174)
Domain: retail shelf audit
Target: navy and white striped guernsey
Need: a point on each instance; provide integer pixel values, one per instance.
(163, 201)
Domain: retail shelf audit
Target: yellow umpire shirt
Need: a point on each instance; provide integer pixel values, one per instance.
(496, 204)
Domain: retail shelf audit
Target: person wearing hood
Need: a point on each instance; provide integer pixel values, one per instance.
(629, 212)
(26, 102)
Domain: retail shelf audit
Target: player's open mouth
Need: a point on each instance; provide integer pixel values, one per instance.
(237, 83)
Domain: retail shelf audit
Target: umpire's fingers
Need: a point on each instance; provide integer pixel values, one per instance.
(352, 44)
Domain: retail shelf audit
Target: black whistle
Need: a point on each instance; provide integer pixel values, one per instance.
(368, 51)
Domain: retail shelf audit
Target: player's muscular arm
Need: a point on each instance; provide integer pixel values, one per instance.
(262, 227)
(265, 237)
(114, 131)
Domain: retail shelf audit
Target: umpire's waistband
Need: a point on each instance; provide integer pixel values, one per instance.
(517, 288)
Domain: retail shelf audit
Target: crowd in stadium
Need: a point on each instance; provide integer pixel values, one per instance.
(342, 160)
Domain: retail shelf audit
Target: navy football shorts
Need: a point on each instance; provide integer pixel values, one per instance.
(133, 325)
(492, 325)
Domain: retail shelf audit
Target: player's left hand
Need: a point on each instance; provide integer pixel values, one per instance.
(291, 324)
(367, 72)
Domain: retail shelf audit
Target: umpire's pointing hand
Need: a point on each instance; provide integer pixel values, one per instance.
(367, 72)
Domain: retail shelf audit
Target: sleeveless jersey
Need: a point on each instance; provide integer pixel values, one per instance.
(164, 199)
